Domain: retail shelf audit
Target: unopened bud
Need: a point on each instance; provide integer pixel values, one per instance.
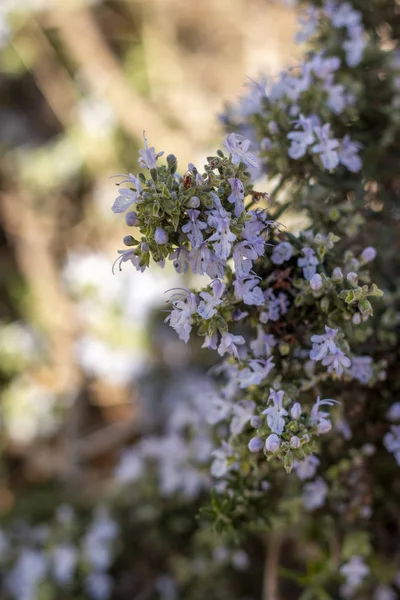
(255, 422)
(295, 442)
(131, 219)
(316, 282)
(368, 254)
(129, 240)
(295, 411)
(255, 444)
(172, 162)
(337, 274)
(160, 236)
(352, 278)
(272, 443)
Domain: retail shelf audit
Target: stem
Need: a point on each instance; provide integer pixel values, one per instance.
(270, 589)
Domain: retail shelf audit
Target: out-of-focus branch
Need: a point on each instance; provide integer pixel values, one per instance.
(51, 78)
(270, 589)
(103, 75)
(31, 236)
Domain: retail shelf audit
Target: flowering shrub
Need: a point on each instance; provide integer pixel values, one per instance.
(305, 415)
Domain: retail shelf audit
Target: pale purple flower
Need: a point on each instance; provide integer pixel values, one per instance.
(391, 442)
(215, 266)
(281, 253)
(180, 258)
(354, 46)
(222, 462)
(263, 344)
(255, 372)
(237, 195)
(393, 413)
(228, 344)
(210, 342)
(320, 418)
(272, 443)
(180, 318)
(275, 413)
(64, 558)
(247, 290)
(243, 255)
(125, 199)
(307, 468)
(314, 494)
(301, 139)
(338, 98)
(308, 22)
(361, 368)
(193, 228)
(324, 67)
(207, 307)
(199, 259)
(255, 444)
(128, 255)
(148, 156)
(223, 237)
(241, 415)
(355, 570)
(348, 154)
(308, 263)
(336, 361)
(316, 282)
(98, 585)
(160, 236)
(323, 344)
(342, 14)
(326, 147)
(238, 146)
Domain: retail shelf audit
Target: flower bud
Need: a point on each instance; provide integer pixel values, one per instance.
(255, 422)
(295, 442)
(368, 254)
(316, 282)
(129, 240)
(131, 219)
(194, 202)
(160, 236)
(172, 162)
(272, 443)
(337, 274)
(295, 411)
(352, 278)
(323, 427)
(255, 444)
(356, 318)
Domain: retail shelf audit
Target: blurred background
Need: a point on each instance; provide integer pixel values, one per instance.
(86, 363)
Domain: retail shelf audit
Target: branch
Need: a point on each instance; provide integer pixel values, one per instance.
(270, 582)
